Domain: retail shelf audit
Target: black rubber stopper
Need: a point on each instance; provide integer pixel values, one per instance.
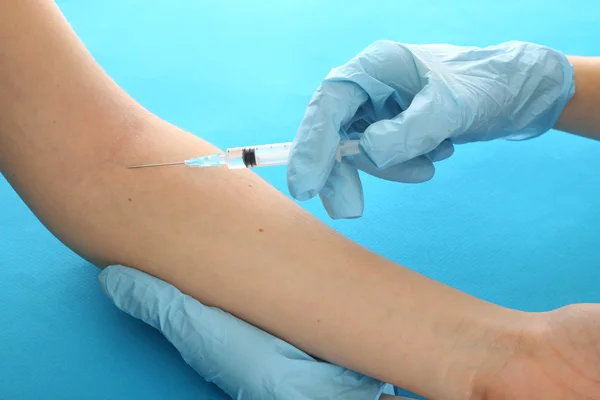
(249, 157)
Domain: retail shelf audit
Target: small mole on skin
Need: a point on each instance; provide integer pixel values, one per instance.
(261, 230)
(129, 199)
(249, 185)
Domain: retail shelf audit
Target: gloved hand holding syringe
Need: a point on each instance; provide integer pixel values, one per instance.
(265, 155)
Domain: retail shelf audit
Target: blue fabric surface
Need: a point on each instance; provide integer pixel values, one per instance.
(514, 223)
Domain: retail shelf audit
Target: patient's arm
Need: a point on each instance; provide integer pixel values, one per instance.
(581, 115)
(227, 238)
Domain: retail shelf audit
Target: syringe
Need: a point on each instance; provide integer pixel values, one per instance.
(265, 155)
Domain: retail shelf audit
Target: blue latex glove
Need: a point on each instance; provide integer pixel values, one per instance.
(244, 361)
(409, 103)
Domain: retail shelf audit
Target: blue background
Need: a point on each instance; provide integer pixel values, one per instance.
(514, 223)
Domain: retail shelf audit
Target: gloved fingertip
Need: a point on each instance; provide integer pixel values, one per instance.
(301, 195)
(117, 280)
(417, 170)
(294, 184)
(385, 389)
(442, 152)
(342, 195)
(336, 213)
(423, 175)
(104, 278)
(351, 208)
(303, 187)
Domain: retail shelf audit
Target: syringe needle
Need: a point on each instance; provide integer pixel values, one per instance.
(156, 165)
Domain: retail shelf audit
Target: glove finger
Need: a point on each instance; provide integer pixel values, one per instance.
(442, 152)
(342, 194)
(127, 287)
(313, 151)
(160, 304)
(419, 169)
(430, 119)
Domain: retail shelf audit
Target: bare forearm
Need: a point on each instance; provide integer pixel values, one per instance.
(227, 238)
(581, 116)
(230, 240)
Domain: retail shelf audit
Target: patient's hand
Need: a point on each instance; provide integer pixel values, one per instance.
(557, 358)
(244, 361)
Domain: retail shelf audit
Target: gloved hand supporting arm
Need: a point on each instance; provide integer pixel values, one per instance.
(581, 116)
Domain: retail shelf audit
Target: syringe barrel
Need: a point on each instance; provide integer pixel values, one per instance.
(275, 154)
(258, 156)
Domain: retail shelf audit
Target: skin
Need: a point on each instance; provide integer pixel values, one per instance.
(67, 133)
(580, 116)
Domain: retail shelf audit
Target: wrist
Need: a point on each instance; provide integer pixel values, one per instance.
(478, 347)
